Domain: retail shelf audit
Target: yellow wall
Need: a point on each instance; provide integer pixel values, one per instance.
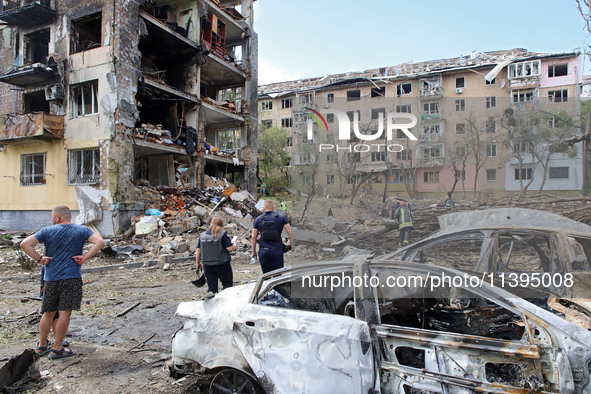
(43, 197)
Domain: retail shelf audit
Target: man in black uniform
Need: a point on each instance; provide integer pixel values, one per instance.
(270, 225)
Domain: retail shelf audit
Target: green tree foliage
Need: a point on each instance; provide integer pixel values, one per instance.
(273, 158)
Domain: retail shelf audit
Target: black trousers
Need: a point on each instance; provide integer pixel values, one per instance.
(223, 272)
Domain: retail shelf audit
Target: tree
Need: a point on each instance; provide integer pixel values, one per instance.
(458, 155)
(530, 140)
(478, 144)
(273, 157)
(405, 162)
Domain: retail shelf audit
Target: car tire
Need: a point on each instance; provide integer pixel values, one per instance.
(234, 381)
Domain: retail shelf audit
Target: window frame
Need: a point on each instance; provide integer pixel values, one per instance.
(563, 96)
(33, 178)
(77, 99)
(431, 176)
(267, 105)
(287, 120)
(96, 173)
(286, 103)
(552, 70)
(490, 149)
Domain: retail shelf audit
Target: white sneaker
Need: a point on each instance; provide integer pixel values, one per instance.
(207, 295)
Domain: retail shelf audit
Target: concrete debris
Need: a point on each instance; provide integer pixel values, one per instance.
(313, 236)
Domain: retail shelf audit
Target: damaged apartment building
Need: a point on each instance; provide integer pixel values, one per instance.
(100, 97)
(462, 105)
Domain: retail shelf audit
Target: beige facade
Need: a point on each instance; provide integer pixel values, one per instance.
(453, 102)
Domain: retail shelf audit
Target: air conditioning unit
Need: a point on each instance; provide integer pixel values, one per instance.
(459, 90)
(54, 92)
(326, 106)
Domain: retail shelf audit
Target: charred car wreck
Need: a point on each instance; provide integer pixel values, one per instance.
(518, 248)
(377, 327)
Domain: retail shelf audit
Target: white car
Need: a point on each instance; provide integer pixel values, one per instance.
(377, 327)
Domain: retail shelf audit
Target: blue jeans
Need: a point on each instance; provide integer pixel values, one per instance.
(223, 272)
(270, 259)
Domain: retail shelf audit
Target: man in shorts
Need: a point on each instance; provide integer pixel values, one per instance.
(64, 242)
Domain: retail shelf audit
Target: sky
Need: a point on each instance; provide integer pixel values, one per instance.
(313, 38)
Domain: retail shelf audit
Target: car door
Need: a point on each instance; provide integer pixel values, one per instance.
(450, 343)
(306, 345)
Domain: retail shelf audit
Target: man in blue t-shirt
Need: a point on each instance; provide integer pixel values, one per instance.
(64, 255)
(271, 243)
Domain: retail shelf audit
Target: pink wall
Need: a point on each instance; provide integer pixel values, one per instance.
(574, 72)
(446, 179)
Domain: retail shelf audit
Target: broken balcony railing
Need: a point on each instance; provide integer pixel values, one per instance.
(26, 13)
(29, 127)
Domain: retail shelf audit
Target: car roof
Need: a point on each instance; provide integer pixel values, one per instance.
(519, 218)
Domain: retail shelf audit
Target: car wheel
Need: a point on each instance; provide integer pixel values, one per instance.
(232, 381)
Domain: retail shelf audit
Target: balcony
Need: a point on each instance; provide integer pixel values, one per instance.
(31, 128)
(219, 116)
(431, 162)
(31, 74)
(164, 41)
(28, 14)
(220, 72)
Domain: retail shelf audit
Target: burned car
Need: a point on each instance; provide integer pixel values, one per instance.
(530, 253)
(377, 327)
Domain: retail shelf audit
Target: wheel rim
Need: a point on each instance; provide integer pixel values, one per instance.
(231, 381)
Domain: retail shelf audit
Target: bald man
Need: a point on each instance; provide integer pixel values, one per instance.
(270, 225)
(64, 256)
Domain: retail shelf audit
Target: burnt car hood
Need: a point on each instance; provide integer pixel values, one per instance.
(510, 218)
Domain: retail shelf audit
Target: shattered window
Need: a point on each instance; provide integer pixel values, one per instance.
(33, 169)
(406, 301)
(558, 96)
(378, 92)
(403, 88)
(462, 254)
(83, 166)
(36, 46)
(460, 105)
(523, 252)
(524, 69)
(557, 70)
(460, 82)
(405, 109)
(460, 128)
(353, 95)
(267, 105)
(86, 33)
(83, 99)
(579, 251)
(315, 293)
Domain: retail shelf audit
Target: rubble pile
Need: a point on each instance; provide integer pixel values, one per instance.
(173, 221)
